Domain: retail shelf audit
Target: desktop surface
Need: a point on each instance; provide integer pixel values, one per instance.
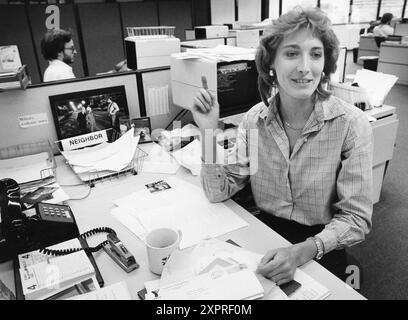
(95, 210)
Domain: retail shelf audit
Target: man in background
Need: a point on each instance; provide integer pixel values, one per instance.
(58, 48)
(112, 110)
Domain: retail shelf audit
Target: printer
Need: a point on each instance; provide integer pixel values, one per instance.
(206, 32)
(150, 51)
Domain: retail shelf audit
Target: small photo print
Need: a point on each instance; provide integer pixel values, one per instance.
(157, 186)
(142, 128)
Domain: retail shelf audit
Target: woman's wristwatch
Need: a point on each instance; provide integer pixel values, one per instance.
(319, 245)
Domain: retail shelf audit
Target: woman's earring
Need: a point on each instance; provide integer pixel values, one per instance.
(323, 76)
(271, 73)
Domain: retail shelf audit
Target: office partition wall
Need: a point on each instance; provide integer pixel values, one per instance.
(35, 101)
(178, 14)
(14, 29)
(138, 14)
(102, 35)
(155, 96)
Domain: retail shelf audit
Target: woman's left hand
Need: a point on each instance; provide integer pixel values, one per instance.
(279, 265)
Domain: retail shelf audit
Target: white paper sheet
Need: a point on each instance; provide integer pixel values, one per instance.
(215, 258)
(116, 291)
(377, 84)
(24, 169)
(183, 207)
(106, 156)
(160, 161)
(190, 157)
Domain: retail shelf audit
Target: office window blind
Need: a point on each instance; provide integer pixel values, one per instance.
(337, 11)
(364, 11)
(392, 6)
(287, 5)
(273, 9)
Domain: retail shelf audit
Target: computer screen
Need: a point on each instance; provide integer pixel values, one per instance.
(237, 84)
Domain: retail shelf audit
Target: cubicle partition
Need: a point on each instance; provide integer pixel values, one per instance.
(178, 14)
(138, 14)
(35, 101)
(102, 36)
(155, 96)
(148, 93)
(401, 29)
(15, 29)
(393, 59)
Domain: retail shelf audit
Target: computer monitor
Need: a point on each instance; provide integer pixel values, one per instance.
(237, 87)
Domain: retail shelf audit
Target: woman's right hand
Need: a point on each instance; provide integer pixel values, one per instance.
(205, 110)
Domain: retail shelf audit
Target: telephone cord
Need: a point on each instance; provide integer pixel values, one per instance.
(84, 235)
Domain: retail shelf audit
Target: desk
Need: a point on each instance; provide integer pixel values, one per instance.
(394, 60)
(385, 134)
(95, 211)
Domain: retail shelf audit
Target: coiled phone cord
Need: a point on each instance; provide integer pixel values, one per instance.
(84, 235)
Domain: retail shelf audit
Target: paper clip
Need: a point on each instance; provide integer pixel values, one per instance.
(120, 254)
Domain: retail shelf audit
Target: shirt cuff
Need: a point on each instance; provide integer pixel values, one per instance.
(329, 239)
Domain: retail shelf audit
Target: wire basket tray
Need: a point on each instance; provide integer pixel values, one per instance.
(151, 31)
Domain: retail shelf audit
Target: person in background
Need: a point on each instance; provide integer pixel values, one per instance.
(310, 165)
(112, 110)
(58, 48)
(384, 29)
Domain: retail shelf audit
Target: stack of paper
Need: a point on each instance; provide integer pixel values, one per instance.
(103, 158)
(43, 276)
(219, 53)
(182, 206)
(377, 84)
(215, 269)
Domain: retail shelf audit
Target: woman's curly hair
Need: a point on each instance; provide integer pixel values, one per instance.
(299, 18)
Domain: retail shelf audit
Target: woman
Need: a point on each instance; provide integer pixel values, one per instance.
(313, 176)
(384, 29)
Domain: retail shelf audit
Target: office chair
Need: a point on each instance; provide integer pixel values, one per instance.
(378, 40)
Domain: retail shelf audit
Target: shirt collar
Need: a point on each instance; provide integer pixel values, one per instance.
(324, 110)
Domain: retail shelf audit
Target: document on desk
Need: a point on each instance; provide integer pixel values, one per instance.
(190, 157)
(213, 256)
(160, 161)
(116, 291)
(24, 169)
(184, 207)
(239, 285)
(216, 257)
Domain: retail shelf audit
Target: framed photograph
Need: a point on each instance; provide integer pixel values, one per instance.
(142, 128)
(83, 112)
